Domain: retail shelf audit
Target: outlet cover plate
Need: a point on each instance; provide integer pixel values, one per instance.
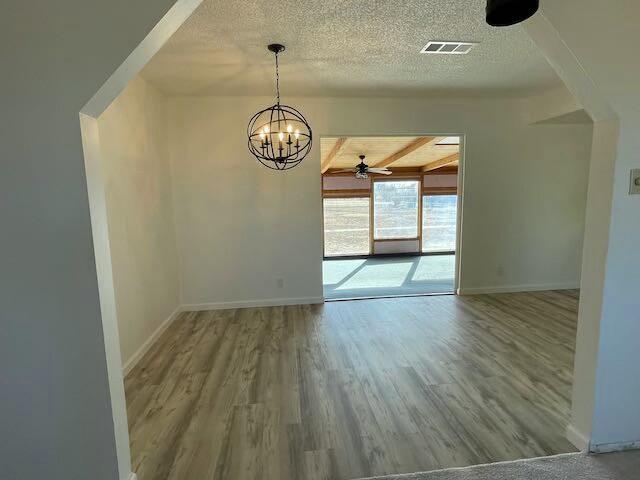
(634, 183)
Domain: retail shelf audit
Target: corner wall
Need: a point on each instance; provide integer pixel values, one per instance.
(241, 226)
(135, 164)
(606, 403)
(61, 383)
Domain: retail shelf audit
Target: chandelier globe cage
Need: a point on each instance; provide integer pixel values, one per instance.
(279, 136)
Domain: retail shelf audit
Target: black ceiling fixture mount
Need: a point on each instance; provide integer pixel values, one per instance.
(503, 13)
(279, 136)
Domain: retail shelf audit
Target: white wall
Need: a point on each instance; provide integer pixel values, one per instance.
(607, 404)
(56, 414)
(241, 226)
(135, 164)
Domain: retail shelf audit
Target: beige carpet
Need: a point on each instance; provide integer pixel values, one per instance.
(569, 466)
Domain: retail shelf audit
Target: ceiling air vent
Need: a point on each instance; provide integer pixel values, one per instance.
(448, 48)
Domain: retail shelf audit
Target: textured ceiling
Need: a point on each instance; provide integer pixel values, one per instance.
(348, 47)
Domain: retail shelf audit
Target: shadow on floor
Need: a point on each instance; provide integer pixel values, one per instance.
(388, 276)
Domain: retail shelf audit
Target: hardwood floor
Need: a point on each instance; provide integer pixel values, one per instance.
(354, 389)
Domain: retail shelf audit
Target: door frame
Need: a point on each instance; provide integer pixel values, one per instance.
(458, 255)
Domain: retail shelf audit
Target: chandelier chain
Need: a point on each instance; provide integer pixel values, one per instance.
(277, 79)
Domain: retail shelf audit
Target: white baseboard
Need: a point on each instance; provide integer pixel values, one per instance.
(614, 447)
(135, 358)
(267, 302)
(518, 288)
(577, 438)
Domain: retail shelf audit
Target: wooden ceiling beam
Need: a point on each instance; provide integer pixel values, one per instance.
(326, 163)
(407, 149)
(441, 162)
(451, 169)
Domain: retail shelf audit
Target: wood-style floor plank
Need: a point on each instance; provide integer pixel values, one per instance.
(354, 389)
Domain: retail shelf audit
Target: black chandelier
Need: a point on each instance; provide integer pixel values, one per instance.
(279, 136)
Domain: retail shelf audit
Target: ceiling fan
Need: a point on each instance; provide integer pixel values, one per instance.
(362, 169)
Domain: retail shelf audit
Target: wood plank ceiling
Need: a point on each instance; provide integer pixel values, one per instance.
(420, 154)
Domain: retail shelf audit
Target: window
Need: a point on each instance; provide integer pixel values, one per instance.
(346, 226)
(439, 223)
(395, 209)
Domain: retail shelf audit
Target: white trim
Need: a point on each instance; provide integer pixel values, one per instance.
(614, 447)
(577, 438)
(106, 291)
(144, 348)
(133, 476)
(519, 288)
(267, 302)
(462, 167)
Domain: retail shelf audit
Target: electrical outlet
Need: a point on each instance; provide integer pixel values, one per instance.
(634, 183)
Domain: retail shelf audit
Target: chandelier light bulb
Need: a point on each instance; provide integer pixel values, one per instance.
(280, 136)
(289, 128)
(265, 129)
(297, 134)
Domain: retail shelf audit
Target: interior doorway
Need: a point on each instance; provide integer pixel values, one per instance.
(390, 215)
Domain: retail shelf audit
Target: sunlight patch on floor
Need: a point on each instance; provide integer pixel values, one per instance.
(378, 276)
(338, 271)
(435, 267)
(387, 276)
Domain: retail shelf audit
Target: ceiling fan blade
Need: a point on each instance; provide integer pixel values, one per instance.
(382, 171)
(344, 170)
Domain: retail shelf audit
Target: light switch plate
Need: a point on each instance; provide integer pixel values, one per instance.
(634, 184)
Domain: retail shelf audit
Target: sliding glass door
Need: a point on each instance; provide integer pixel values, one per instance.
(398, 213)
(346, 226)
(396, 209)
(439, 223)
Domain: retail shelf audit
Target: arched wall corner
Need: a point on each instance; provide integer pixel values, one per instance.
(569, 68)
(597, 218)
(89, 114)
